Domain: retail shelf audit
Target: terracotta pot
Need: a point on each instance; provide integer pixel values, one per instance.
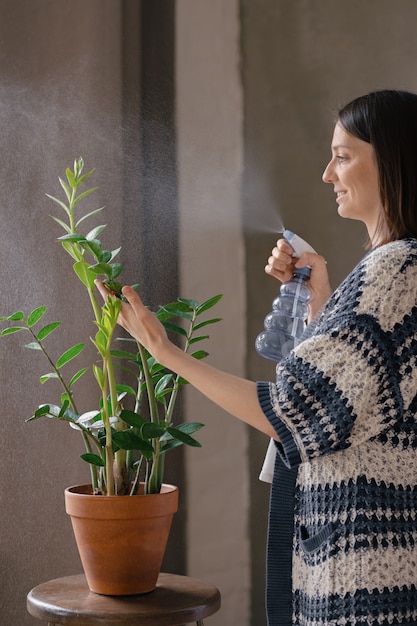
(121, 539)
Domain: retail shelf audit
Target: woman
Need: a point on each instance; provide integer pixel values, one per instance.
(342, 541)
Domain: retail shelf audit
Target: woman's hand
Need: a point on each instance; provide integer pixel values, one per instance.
(139, 322)
(282, 263)
(235, 395)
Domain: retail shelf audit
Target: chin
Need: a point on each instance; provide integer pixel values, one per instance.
(344, 212)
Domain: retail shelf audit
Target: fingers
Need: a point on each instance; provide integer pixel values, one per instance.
(132, 296)
(281, 262)
(102, 289)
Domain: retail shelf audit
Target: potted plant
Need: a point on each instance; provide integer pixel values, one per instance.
(129, 432)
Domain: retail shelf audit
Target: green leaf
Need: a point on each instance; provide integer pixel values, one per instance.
(208, 304)
(85, 176)
(127, 440)
(74, 237)
(47, 330)
(114, 253)
(77, 376)
(40, 412)
(123, 354)
(93, 459)
(176, 310)
(11, 330)
(64, 408)
(195, 339)
(125, 389)
(44, 409)
(15, 317)
(132, 418)
(116, 270)
(71, 178)
(83, 195)
(191, 303)
(199, 354)
(163, 383)
(84, 217)
(152, 431)
(170, 445)
(93, 246)
(176, 433)
(100, 341)
(95, 232)
(68, 355)
(175, 328)
(105, 256)
(206, 323)
(66, 188)
(71, 250)
(101, 268)
(35, 316)
(62, 223)
(189, 427)
(99, 376)
(61, 204)
(81, 268)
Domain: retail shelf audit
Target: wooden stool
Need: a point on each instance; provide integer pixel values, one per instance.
(177, 600)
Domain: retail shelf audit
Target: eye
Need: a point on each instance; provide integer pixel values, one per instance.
(341, 158)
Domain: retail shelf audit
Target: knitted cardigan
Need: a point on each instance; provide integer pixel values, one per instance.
(342, 539)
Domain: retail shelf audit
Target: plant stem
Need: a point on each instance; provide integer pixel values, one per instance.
(152, 484)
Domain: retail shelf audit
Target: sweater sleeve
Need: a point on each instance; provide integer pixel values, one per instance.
(344, 385)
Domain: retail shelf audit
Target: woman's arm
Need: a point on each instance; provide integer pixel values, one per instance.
(235, 395)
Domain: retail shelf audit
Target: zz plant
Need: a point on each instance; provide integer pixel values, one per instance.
(129, 433)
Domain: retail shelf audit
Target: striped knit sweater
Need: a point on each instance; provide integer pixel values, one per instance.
(342, 544)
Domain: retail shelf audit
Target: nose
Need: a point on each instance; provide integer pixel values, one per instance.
(328, 174)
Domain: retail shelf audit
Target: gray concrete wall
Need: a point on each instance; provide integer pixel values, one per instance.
(210, 160)
(60, 87)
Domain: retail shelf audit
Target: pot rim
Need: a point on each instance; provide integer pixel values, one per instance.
(120, 507)
(85, 490)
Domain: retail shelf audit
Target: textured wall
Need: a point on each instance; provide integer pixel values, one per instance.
(209, 125)
(59, 98)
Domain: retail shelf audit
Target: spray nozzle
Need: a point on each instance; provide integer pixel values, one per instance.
(299, 246)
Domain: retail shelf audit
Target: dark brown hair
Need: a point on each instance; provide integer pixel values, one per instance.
(387, 119)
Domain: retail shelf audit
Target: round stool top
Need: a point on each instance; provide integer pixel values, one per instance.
(176, 600)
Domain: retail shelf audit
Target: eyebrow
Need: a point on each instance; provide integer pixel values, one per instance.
(340, 145)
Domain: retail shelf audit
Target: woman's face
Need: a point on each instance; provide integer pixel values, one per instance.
(353, 171)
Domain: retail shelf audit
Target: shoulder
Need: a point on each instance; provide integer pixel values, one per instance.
(389, 281)
(391, 258)
(383, 286)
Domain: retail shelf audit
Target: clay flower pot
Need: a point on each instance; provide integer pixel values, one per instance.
(121, 539)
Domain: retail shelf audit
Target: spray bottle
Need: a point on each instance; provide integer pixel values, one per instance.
(284, 327)
(285, 324)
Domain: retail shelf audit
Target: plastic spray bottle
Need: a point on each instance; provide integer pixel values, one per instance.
(284, 326)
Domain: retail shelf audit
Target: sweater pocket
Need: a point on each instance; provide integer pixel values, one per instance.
(313, 541)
